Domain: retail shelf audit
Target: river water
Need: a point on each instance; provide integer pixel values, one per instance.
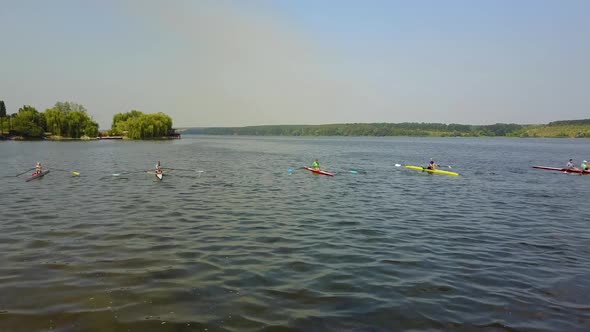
(238, 242)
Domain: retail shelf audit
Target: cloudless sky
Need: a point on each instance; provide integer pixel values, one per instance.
(236, 63)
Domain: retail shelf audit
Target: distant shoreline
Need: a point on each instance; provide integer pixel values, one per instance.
(558, 129)
(68, 139)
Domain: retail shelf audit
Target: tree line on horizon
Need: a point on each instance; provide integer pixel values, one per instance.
(71, 120)
(572, 128)
(364, 129)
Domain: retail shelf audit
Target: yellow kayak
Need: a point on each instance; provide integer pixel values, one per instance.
(433, 171)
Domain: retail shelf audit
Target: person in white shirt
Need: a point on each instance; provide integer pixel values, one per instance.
(570, 165)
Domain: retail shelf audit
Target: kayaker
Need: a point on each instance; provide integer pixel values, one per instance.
(158, 167)
(570, 164)
(38, 168)
(432, 165)
(584, 165)
(315, 164)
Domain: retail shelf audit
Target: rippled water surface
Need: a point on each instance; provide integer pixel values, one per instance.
(247, 245)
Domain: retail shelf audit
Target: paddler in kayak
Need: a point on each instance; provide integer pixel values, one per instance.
(158, 168)
(38, 168)
(432, 165)
(570, 165)
(584, 165)
(315, 164)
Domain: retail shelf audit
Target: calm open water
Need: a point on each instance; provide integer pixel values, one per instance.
(247, 245)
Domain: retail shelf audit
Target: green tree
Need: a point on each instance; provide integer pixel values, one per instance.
(10, 120)
(2, 116)
(67, 107)
(137, 125)
(70, 120)
(54, 118)
(28, 122)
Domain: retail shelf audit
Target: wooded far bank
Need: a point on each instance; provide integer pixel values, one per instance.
(570, 128)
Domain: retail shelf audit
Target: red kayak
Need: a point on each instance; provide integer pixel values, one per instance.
(565, 170)
(317, 171)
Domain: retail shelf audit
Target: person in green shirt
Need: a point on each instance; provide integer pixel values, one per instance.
(315, 164)
(584, 165)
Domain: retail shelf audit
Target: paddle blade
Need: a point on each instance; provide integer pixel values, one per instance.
(76, 173)
(19, 174)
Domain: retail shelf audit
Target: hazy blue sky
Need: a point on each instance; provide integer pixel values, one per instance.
(234, 63)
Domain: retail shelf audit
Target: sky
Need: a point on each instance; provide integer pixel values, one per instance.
(239, 63)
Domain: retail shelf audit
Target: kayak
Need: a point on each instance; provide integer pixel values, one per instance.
(432, 171)
(159, 176)
(565, 170)
(317, 171)
(36, 176)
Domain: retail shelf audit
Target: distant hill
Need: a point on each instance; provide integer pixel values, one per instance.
(571, 128)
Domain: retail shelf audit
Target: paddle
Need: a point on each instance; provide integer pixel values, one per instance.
(308, 168)
(64, 170)
(30, 169)
(291, 170)
(181, 169)
(117, 174)
(189, 170)
(354, 171)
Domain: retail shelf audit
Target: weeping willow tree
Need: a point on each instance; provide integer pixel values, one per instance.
(137, 125)
(69, 119)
